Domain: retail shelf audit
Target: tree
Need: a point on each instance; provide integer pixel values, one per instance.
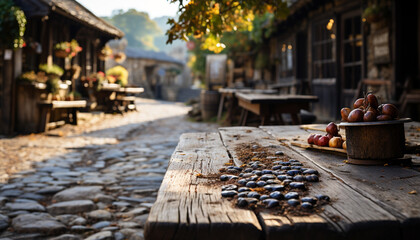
(209, 19)
(139, 29)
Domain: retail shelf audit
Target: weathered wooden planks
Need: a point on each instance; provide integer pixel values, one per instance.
(190, 207)
(351, 214)
(387, 186)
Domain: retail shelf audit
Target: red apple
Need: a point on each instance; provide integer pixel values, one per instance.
(332, 129)
(323, 141)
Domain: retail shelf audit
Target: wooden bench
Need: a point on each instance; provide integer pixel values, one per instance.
(47, 107)
(367, 202)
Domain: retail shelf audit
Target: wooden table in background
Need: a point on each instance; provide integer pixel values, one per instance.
(271, 105)
(367, 202)
(229, 95)
(114, 98)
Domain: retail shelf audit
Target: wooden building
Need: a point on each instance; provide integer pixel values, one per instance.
(161, 75)
(335, 48)
(50, 22)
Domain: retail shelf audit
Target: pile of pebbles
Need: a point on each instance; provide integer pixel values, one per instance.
(272, 181)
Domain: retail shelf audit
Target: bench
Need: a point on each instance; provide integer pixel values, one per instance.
(367, 202)
(47, 107)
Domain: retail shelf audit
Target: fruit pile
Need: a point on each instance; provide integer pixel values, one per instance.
(367, 110)
(331, 139)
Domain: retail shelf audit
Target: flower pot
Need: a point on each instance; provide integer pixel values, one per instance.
(61, 53)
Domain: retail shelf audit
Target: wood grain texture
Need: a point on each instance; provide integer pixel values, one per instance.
(191, 207)
(387, 186)
(350, 214)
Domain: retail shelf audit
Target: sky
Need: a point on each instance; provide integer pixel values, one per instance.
(155, 8)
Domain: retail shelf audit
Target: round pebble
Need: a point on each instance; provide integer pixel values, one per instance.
(276, 195)
(286, 168)
(263, 197)
(274, 187)
(276, 167)
(297, 185)
(247, 175)
(254, 195)
(310, 171)
(267, 171)
(255, 146)
(312, 178)
(229, 193)
(311, 200)
(293, 202)
(243, 189)
(229, 187)
(297, 167)
(283, 177)
(261, 183)
(243, 194)
(307, 205)
(287, 181)
(293, 172)
(248, 170)
(299, 178)
(267, 176)
(251, 184)
(257, 172)
(242, 182)
(271, 203)
(279, 153)
(242, 202)
(291, 195)
(293, 160)
(322, 197)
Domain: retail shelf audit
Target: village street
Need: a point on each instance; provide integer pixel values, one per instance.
(96, 180)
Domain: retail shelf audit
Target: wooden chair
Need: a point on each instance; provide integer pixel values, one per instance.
(408, 97)
(376, 86)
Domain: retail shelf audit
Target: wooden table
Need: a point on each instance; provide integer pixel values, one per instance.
(229, 95)
(115, 98)
(367, 202)
(270, 105)
(70, 107)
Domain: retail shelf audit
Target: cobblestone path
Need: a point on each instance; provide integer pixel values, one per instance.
(97, 180)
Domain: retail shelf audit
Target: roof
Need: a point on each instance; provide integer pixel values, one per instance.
(69, 8)
(144, 54)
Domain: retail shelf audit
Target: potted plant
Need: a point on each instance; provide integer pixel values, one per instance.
(119, 73)
(375, 13)
(67, 49)
(51, 70)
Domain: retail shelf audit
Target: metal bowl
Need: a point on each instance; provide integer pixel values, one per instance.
(375, 142)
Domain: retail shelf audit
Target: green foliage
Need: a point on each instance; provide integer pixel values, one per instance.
(120, 73)
(53, 69)
(212, 18)
(139, 29)
(53, 85)
(12, 25)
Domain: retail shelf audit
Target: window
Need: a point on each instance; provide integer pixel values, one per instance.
(323, 46)
(285, 59)
(352, 51)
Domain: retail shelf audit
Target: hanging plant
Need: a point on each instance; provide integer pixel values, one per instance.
(12, 25)
(67, 49)
(105, 53)
(375, 13)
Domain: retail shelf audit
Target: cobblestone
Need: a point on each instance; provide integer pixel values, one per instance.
(97, 180)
